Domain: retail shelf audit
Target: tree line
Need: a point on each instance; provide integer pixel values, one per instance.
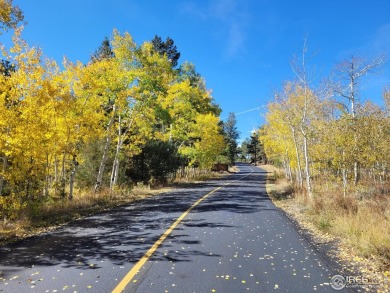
(131, 114)
(324, 132)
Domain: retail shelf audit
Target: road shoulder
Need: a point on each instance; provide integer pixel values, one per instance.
(340, 256)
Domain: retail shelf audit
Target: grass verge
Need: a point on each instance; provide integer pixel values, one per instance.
(43, 215)
(359, 229)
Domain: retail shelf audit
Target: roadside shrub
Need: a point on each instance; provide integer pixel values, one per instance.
(11, 206)
(347, 204)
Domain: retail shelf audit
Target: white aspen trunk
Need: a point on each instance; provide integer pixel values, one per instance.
(356, 172)
(114, 174)
(344, 176)
(63, 176)
(307, 167)
(55, 171)
(72, 176)
(285, 167)
(381, 180)
(345, 182)
(301, 73)
(115, 165)
(288, 168)
(305, 143)
(384, 171)
(299, 175)
(352, 86)
(290, 174)
(4, 167)
(47, 177)
(99, 178)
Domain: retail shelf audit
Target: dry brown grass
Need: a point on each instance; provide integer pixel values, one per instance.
(361, 224)
(362, 221)
(364, 225)
(234, 169)
(45, 215)
(278, 187)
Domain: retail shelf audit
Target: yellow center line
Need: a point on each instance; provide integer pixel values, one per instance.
(130, 275)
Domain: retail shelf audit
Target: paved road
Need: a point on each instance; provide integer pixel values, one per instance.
(235, 240)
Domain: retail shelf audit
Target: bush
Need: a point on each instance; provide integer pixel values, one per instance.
(156, 162)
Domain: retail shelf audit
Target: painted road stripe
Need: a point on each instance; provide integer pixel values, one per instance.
(130, 275)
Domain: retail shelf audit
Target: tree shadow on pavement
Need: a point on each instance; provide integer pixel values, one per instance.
(124, 234)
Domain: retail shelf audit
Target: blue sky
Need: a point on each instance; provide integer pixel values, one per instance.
(241, 47)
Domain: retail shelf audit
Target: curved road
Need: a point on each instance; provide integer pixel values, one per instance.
(233, 240)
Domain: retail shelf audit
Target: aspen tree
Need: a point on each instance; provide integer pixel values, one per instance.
(207, 141)
(10, 15)
(348, 75)
(148, 75)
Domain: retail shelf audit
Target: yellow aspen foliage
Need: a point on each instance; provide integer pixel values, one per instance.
(31, 104)
(338, 143)
(178, 104)
(210, 142)
(276, 136)
(45, 119)
(10, 15)
(49, 116)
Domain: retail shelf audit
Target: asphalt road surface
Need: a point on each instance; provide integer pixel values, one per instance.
(233, 240)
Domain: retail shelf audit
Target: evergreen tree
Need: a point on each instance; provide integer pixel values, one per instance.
(256, 149)
(6, 68)
(231, 135)
(167, 48)
(244, 155)
(103, 52)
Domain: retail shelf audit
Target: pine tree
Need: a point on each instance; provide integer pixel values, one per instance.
(231, 135)
(103, 52)
(167, 48)
(256, 149)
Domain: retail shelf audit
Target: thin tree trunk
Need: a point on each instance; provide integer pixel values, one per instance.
(63, 176)
(55, 174)
(103, 162)
(285, 167)
(299, 177)
(356, 172)
(5, 162)
(115, 165)
(352, 86)
(345, 182)
(290, 174)
(114, 173)
(286, 161)
(344, 176)
(4, 167)
(307, 167)
(47, 177)
(305, 141)
(72, 176)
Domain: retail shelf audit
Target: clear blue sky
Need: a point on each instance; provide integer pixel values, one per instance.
(241, 47)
